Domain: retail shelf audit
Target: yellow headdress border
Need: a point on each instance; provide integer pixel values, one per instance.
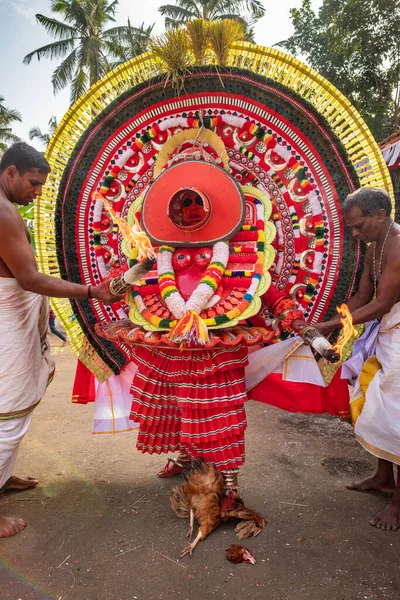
(343, 118)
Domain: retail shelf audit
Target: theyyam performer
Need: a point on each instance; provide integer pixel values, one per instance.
(235, 186)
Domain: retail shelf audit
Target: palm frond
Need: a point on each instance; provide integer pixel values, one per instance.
(171, 23)
(36, 133)
(103, 13)
(255, 7)
(218, 8)
(55, 28)
(178, 14)
(8, 114)
(6, 135)
(64, 73)
(79, 85)
(116, 33)
(52, 124)
(60, 6)
(74, 11)
(222, 35)
(54, 50)
(111, 8)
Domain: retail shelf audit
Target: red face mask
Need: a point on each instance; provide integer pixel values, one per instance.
(190, 264)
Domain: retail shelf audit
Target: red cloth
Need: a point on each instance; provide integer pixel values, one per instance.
(83, 390)
(191, 401)
(303, 397)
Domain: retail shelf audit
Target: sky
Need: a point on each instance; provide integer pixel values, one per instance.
(28, 88)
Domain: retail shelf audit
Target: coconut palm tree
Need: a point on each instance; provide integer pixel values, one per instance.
(7, 117)
(36, 132)
(132, 42)
(246, 11)
(82, 41)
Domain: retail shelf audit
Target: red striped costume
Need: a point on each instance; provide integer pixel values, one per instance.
(192, 401)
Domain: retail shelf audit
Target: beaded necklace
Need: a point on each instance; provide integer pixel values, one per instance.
(378, 273)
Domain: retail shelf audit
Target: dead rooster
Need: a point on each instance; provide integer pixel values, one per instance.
(239, 554)
(201, 497)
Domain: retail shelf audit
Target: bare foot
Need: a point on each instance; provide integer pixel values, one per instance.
(20, 483)
(388, 518)
(10, 526)
(373, 483)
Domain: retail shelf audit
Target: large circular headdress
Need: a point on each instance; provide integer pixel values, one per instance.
(286, 131)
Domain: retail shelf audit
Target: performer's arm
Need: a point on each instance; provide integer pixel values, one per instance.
(18, 256)
(284, 308)
(364, 309)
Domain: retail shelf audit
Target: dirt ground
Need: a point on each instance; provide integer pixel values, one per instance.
(101, 527)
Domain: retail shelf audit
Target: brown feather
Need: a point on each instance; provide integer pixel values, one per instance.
(178, 502)
(201, 494)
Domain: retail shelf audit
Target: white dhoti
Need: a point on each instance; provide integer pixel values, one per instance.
(378, 426)
(12, 432)
(26, 366)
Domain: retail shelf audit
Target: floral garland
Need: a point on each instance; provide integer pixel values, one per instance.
(167, 284)
(285, 309)
(256, 276)
(204, 291)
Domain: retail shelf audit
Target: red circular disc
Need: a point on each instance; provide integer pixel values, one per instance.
(226, 198)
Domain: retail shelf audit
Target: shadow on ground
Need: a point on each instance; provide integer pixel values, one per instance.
(101, 528)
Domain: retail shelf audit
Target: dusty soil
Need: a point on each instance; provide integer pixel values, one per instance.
(101, 528)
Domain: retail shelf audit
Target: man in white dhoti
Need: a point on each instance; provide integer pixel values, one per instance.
(367, 212)
(25, 364)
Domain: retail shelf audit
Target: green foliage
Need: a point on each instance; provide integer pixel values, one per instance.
(128, 42)
(355, 44)
(8, 116)
(88, 50)
(247, 12)
(36, 132)
(27, 213)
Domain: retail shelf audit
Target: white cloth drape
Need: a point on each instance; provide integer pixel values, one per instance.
(11, 433)
(378, 426)
(113, 403)
(291, 358)
(25, 367)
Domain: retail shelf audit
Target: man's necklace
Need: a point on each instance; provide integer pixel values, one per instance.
(378, 273)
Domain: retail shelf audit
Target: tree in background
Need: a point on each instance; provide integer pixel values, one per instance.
(82, 41)
(8, 116)
(35, 133)
(245, 11)
(131, 42)
(355, 44)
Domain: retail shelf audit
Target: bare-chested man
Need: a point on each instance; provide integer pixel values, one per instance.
(25, 366)
(367, 213)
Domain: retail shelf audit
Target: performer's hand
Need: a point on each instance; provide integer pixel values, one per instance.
(102, 293)
(325, 328)
(299, 324)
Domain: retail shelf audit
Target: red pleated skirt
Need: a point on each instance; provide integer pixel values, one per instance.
(191, 401)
